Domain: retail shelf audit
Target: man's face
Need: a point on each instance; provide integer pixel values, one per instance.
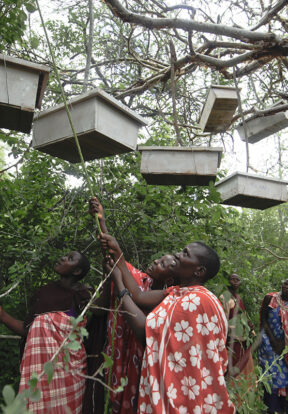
(67, 265)
(188, 260)
(234, 281)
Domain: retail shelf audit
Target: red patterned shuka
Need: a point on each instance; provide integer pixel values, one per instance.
(128, 353)
(65, 392)
(185, 358)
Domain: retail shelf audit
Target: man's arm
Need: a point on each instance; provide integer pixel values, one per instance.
(146, 300)
(13, 324)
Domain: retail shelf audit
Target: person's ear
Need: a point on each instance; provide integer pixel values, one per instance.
(77, 271)
(201, 271)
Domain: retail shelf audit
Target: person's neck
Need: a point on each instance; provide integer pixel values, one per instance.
(232, 290)
(284, 297)
(68, 282)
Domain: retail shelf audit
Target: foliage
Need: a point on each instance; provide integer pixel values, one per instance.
(14, 15)
(41, 215)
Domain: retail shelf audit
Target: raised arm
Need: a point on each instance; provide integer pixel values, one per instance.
(95, 207)
(13, 324)
(132, 313)
(147, 300)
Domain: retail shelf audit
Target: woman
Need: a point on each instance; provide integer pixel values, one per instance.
(122, 345)
(274, 333)
(46, 326)
(185, 356)
(240, 330)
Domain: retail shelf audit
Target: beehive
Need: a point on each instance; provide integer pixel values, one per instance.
(22, 88)
(179, 165)
(262, 127)
(219, 108)
(104, 127)
(252, 191)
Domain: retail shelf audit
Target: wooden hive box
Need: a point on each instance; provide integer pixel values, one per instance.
(179, 165)
(104, 127)
(252, 191)
(22, 88)
(262, 127)
(219, 108)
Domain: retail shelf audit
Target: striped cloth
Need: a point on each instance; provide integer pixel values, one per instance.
(64, 393)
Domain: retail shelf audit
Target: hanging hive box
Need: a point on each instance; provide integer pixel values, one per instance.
(252, 191)
(104, 127)
(262, 127)
(179, 165)
(219, 108)
(22, 86)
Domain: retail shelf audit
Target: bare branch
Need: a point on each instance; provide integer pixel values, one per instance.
(245, 35)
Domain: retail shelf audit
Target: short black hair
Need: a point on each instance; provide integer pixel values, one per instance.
(84, 265)
(210, 260)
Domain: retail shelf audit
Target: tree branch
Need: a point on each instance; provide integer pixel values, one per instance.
(150, 23)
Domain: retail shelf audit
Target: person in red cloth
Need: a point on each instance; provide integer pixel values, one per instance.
(123, 347)
(240, 330)
(46, 326)
(185, 356)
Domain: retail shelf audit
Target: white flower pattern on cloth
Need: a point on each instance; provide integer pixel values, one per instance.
(212, 350)
(152, 350)
(183, 331)
(145, 408)
(176, 362)
(154, 390)
(186, 376)
(172, 394)
(221, 378)
(195, 355)
(156, 319)
(213, 403)
(144, 387)
(190, 302)
(207, 379)
(189, 387)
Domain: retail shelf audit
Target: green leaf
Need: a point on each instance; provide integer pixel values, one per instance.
(123, 383)
(33, 380)
(108, 362)
(35, 395)
(34, 41)
(49, 370)
(31, 8)
(8, 394)
(74, 345)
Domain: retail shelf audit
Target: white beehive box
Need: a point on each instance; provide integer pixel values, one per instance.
(262, 127)
(179, 165)
(104, 127)
(252, 191)
(22, 86)
(219, 108)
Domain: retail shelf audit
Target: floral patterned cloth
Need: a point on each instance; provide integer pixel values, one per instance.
(185, 358)
(128, 353)
(277, 320)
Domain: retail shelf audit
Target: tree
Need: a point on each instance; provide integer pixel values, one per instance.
(159, 60)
